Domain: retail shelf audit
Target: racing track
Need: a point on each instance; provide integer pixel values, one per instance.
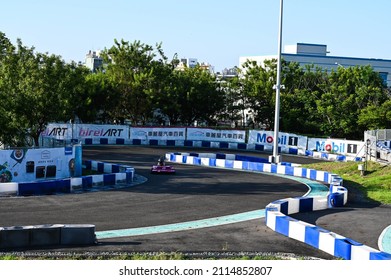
(194, 193)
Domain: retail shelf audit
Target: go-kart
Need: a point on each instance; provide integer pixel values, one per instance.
(162, 169)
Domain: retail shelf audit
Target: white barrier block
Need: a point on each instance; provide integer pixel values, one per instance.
(327, 241)
(204, 161)
(11, 187)
(317, 155)
(293, 205)
(362, 252)
(107, 168)
(238, 164)
(215, 145)
(220, 163)
(189, 160)
(271, 219)
(267, 168)
(97, 179)
(120, 177)
(320, 203)
(94, 165)
(297, 171)
(281, 169)
(179, 158)
(230, 156)
(77, 181)
(297, 230)
(320, 175)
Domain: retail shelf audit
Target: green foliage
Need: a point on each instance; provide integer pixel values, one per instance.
(139, 83)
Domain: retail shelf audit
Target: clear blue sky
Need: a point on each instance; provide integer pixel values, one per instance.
(213, 31)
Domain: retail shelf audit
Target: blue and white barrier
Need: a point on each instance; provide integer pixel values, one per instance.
(218, 145)
(277, 212)
(113, 174)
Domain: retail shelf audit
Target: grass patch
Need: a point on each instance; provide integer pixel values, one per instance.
(374, 185)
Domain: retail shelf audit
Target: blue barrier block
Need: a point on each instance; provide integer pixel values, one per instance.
(212, 162)
(284, 207)
(170, 142)
(220, 156)
(343, 248)
(311, 235)
(273, 169)
(306, 204)
(245, 165)
(184, 159)
(153, 142)
(335, 199)
(197, 161)
(88, 164)
(172, 157)
(313, 174)
(109, 179)
(304, 172)
(326, 177)
(136, 141)
(86, 182)
(289, 170)
(259, 147)
(293, 151)
(341, 158)
(324, 155)
(104, 141)
(120, 141)
(129, 177)
(242, 146)
(88, 141)
(115, 168)
(282, 224)
(229, 164)
(223, 145)
(188, 143)
(205, 144)
(379, 256)
(309, 153)
(101, 167)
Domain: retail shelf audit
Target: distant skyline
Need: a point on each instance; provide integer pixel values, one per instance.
(217, 32)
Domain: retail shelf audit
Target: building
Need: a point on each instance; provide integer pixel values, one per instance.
(317, 54)
(93, 61)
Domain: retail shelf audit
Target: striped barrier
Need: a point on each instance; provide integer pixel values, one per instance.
(277, 213)
(113, 174)
(218, 145)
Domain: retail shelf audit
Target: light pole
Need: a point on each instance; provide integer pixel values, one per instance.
(275, 158)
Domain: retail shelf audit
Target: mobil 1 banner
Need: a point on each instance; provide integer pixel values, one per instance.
(284, 139)
(216, 135)
(158, 133)
(337, 146)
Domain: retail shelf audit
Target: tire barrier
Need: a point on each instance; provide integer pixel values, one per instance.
(46, 235)
(113, 174)
(277, 212)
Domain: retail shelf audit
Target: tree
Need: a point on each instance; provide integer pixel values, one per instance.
(130, 66)
(347, 93)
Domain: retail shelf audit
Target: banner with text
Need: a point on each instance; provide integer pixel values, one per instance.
(81, 131)
(284, 139)
(207, 134)
(337, 146)
(158, 133)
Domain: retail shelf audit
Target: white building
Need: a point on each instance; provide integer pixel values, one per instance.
(316, 54)
(93, 60)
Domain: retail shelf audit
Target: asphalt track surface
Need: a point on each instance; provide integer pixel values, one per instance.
(194, 193)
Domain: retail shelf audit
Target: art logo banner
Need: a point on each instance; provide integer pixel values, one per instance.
(206, 134)
(337, 146)
(158, 133)
(284, 139)
(81, 131)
